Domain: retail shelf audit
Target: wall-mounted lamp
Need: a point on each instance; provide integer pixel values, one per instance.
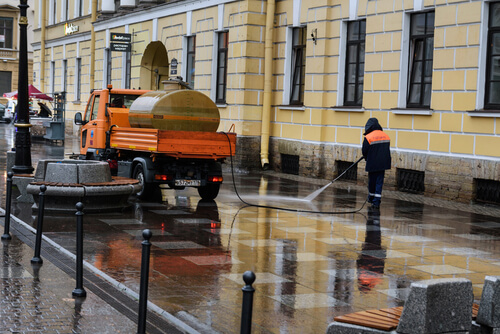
(314, 35)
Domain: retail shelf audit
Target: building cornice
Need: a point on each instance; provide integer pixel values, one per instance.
(156, 12)
(83, 37)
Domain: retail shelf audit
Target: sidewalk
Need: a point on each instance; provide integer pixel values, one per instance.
(38, 298)
(310, 267)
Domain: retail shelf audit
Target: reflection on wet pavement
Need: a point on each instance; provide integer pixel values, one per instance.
(309, 267)
(34, 299)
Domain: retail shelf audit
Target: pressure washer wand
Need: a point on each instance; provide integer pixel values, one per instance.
(320, 190)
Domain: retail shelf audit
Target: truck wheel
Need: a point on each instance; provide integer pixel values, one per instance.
(210, 191)
(145, 187)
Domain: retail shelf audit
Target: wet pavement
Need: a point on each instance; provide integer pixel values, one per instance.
(310, 267)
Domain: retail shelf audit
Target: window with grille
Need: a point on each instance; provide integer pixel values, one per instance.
(355, 63)
(410, 180)
(487, 191)
(420, 62)
(290, 164)
(351, 173)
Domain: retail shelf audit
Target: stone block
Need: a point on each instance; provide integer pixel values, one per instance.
(42, 167)
(94, 173)
(22, 183)
(62, 173)
(343, 328)
(438, 306)
(489, 307)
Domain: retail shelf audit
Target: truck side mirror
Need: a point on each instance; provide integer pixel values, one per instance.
(78, 119)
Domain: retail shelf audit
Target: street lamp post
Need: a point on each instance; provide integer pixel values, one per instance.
(22, 164)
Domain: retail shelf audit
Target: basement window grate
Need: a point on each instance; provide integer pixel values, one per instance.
(351, 174)
(487, 191)
(290, 164)
(411, 181)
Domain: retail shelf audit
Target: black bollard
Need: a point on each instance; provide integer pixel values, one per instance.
(79, 291)
(143, 290)
(8, 199)
(39, 227)
(246, 310)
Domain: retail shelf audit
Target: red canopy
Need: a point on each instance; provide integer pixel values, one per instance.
(33, 93)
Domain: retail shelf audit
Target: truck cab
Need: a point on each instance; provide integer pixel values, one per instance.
(96, 118)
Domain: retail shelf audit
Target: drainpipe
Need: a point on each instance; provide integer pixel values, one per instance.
(268, 81)
(93, 18)
(42, 45)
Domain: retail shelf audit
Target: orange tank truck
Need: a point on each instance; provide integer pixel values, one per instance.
(158, 137)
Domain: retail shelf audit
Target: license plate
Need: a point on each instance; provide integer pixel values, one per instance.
(188, 183)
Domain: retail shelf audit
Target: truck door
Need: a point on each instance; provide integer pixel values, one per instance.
(90, 127)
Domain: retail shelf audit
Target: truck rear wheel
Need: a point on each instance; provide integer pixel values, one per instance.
(210, 191)
(146, 188)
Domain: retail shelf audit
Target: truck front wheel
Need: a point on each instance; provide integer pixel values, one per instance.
(146, 188)
(210, 191)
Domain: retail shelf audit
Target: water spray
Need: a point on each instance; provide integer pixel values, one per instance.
(320, 190)
(309, 198)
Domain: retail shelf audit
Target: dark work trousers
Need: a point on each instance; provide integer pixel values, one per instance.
(375, 184)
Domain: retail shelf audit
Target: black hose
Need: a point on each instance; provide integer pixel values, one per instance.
(288, 209)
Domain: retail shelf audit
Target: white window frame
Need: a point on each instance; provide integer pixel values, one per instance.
(78, 78)
(52, 76)
(215, 58)
(40, 13)
(404, 61)
(185, 45)
(108, 60)
(52, 18)
(482, 56)
(64, 75)
(65, 11)
(341, 63)
(287, 80)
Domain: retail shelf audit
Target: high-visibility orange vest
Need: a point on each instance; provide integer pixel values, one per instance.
(377, 137)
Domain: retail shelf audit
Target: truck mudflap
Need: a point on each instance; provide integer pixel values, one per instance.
(177, 144)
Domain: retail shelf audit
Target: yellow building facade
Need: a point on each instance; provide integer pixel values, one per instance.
(299, 79)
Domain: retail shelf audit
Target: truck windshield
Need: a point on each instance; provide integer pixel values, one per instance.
(122, 100)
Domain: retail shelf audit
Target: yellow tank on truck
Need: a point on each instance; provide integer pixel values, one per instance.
(181, 110)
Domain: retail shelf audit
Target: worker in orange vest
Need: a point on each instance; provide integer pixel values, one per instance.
(376, 151)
